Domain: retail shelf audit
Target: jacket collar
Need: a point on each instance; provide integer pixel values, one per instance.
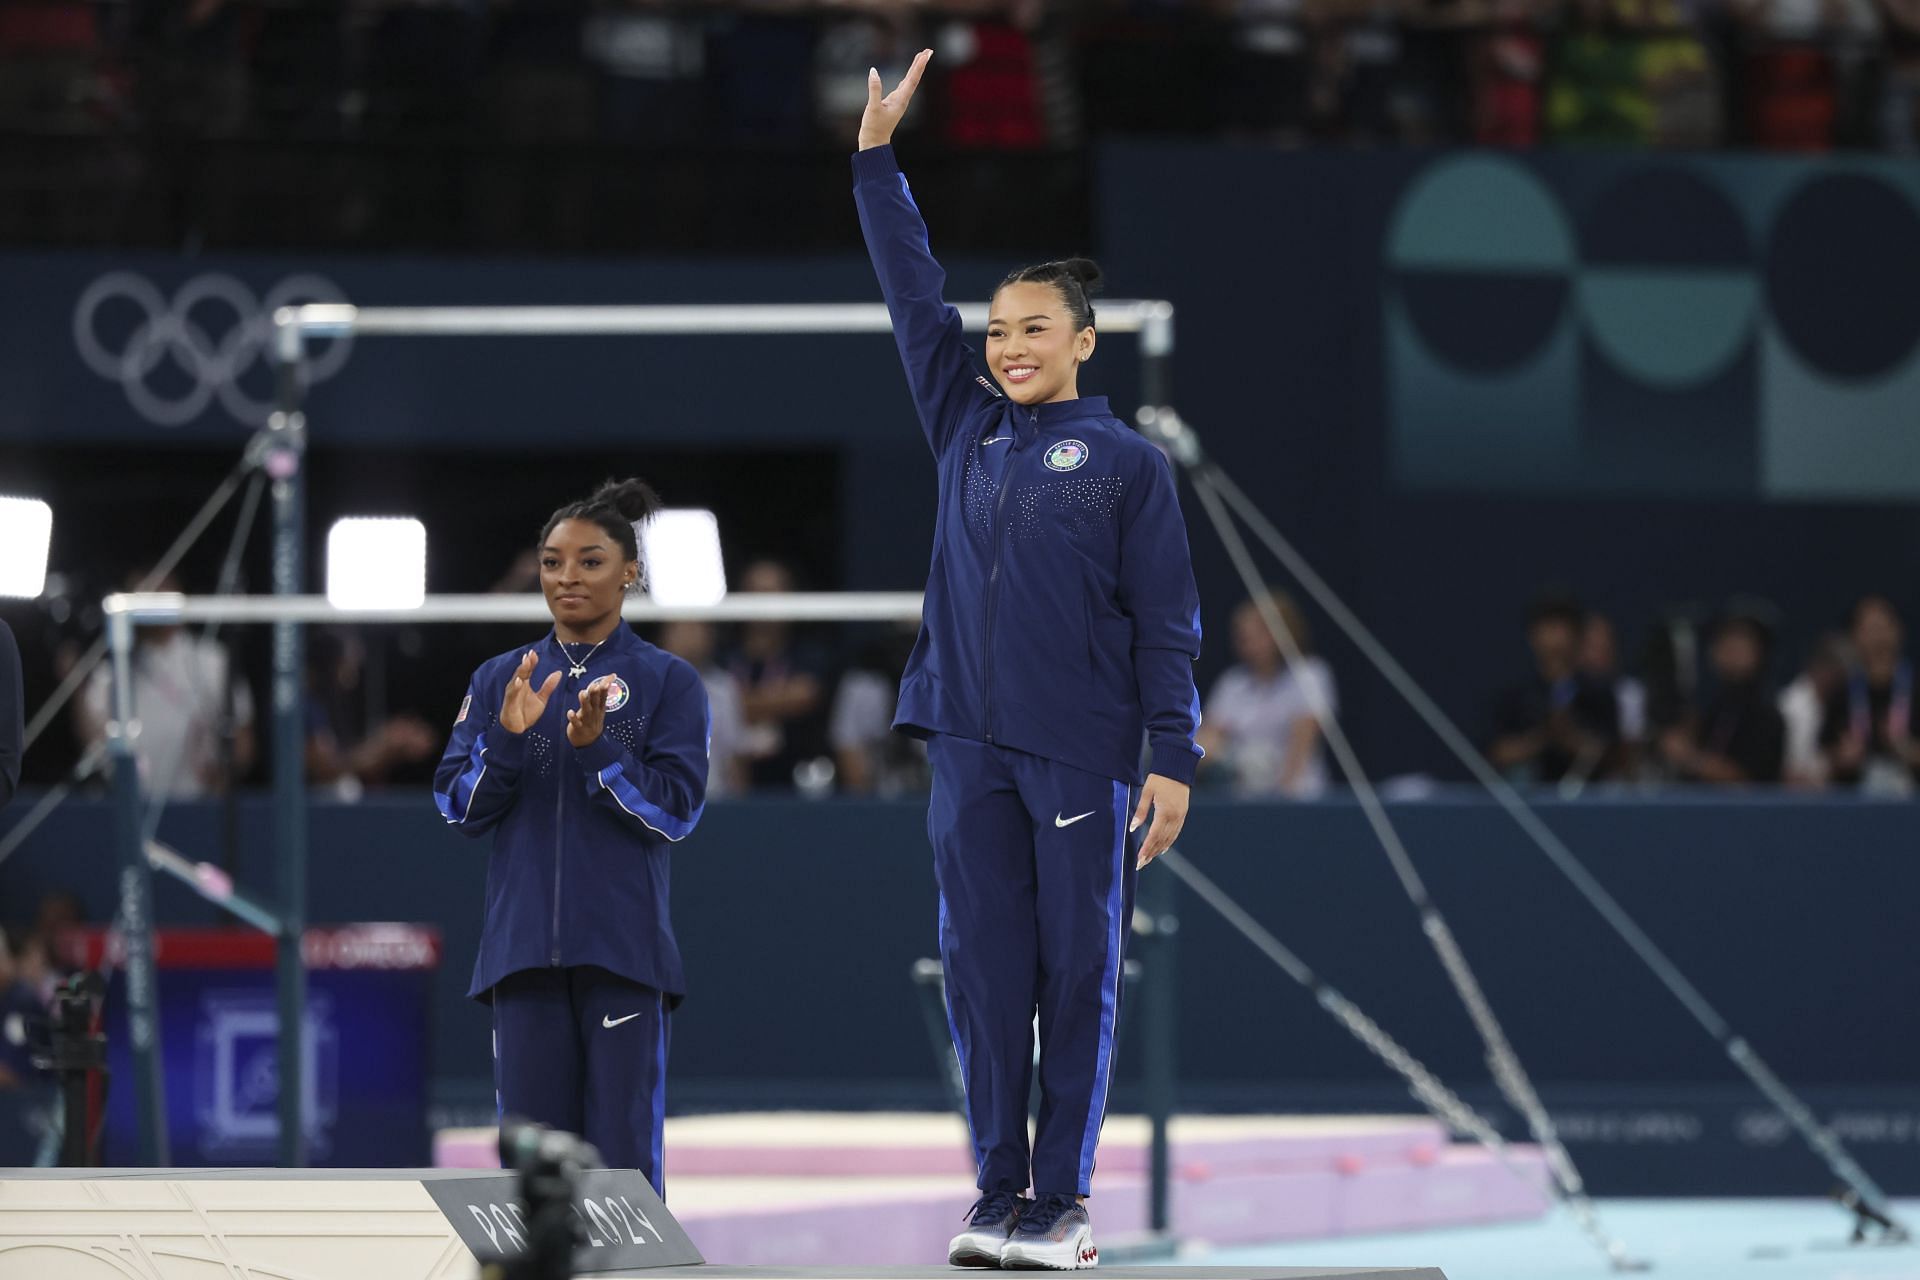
(619, 640)
(1064, 410)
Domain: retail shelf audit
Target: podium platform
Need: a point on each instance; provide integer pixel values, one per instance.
(390, 1224)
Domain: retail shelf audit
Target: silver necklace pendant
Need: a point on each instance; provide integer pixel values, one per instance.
(579, 665)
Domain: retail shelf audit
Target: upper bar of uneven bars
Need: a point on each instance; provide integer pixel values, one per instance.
(1151, 319)
(825, 606)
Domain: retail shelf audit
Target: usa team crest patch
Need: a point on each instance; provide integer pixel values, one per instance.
(466, 705)
(1068, 455)
(617, 693)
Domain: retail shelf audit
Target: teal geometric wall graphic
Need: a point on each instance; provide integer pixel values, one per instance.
(1668, 329)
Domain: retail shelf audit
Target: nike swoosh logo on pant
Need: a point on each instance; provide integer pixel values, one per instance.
(606, 1021)
(1059, 821)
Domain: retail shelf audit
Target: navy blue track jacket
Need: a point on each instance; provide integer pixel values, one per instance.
(578, 873)
(1061, 615)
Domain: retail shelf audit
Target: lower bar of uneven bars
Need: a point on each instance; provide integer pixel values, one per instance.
(825, 606)
(328, 319)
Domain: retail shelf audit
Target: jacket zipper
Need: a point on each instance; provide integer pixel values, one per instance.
(559, 841)
(993, 577)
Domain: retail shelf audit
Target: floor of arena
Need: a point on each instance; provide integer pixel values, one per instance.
(1683, 1239)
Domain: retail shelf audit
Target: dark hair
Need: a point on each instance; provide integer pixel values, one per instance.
(1077, 279)
(615, 506)
(1872, 600)
(1757, 616)
(1556, 606)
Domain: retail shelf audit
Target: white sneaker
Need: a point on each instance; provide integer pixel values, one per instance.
(989, 1223)
(1054, 1234)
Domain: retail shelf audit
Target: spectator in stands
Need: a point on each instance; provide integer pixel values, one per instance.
(343, 749)
(726, 766)
(1868, 732)
(45, 950)
(1265, 79)
(1555, 723)
(1803, 706)
(1682, 84)
(26, 1096)
(185, 698)
(652, 61)
(1509, 64)
(1801, 59)
(1899, 106)
(1006, 78)
(782, 688)
(1597, 90)
(1740, 737)
(17, 1003)
(1262, 725)
(1600, 664)
(871, 758)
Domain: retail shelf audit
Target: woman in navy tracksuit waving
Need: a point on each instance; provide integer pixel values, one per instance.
(1060, 627)
(586, 756)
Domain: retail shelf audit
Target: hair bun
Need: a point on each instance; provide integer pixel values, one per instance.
(1086, 271)
(632, 498)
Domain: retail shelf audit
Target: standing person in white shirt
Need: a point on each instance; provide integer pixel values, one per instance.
(181, 701)
(1803, 705)
(726, 745)
(1262, 724)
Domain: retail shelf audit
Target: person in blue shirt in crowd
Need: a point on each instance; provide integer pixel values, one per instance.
(1060, 628)
(585, 757)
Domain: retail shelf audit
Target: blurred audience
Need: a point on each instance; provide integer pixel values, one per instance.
(1010, 74)
(1803, 708)
(1599, 664)
(782, 685)
(1868, 732)
(871, 758)
(1740, 735)
(1261, 727)
(21, 1003)
(194, 713)
(726, 763)
(1558, 723)
(350, 746)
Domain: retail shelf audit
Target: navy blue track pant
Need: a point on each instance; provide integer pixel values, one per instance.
(585, 1050)
(1036, 875)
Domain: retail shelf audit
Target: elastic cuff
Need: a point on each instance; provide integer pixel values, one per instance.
(875, 162)
(1176, 760)
(598, 754)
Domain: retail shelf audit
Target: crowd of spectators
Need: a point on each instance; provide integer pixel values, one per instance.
(1009, 75)
(1708, 710)
(808, 709)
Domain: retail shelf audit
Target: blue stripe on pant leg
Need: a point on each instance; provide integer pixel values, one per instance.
(959, 1045)
(1109, 991)
(660, 1104)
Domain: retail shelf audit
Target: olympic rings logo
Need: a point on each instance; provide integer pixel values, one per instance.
(181, 333)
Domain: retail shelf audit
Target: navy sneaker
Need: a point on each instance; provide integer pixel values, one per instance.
(989, 1223)
(1054, 1234)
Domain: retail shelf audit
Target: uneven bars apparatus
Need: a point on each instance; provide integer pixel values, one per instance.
(282, 448)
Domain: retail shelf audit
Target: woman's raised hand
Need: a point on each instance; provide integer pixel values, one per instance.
(883, 114)
(584, 724)
(524, 704)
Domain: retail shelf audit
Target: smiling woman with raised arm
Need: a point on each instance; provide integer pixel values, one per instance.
(1060, 629)
(586, 757)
